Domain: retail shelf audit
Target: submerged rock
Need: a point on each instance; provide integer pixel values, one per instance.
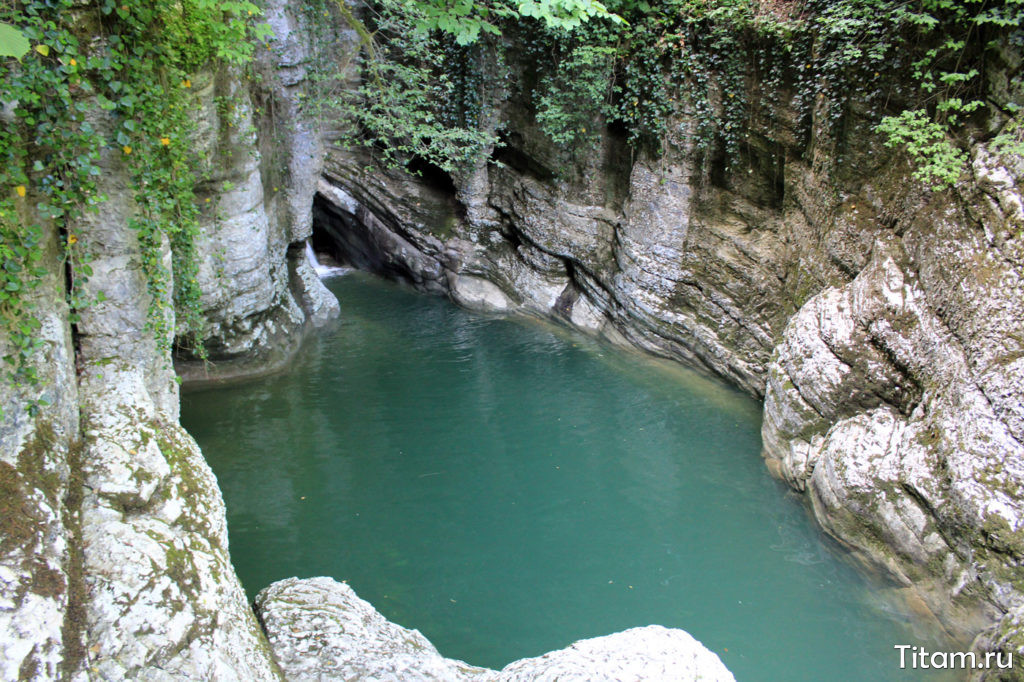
(320, 630)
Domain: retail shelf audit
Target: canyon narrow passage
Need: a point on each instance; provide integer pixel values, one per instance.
(507, 487)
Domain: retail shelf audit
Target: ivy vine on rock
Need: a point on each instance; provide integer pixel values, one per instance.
(129, 64)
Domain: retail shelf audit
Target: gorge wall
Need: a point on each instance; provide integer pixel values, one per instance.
(880, 322)
(115, 557)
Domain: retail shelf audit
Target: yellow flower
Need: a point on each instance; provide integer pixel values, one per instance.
(72, 239)
(186, 83)
(165, 141)
(73, 62)
(126, 149)
(20, 189)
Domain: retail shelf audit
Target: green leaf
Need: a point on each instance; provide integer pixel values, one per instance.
(12, 42)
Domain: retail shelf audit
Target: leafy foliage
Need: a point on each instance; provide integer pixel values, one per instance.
(665, 61)
(958, 39)
(466, 20)
(938, 162)
(12, 42)
(411, 101)
(396, 110)
(576, 93)
(136, 76)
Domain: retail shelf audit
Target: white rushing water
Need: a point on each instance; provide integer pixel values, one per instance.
(320, 269)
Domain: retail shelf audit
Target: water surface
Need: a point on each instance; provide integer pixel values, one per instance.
(507, 488)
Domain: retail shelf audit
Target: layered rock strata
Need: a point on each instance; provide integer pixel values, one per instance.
(879, 320)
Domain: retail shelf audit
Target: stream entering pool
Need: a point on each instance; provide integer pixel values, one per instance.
(507, 488)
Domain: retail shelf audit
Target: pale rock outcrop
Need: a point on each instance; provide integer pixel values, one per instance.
(895, 399)
(320, 630)
(648, 653)
(160, 598)
(38, 575)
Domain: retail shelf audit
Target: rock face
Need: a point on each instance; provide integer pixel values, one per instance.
(259, 290)
(38, 573)
(320, 630)
(159, 593)
(880, 321)
(648, 653)
(113, 545)
(645, 257)
(116, 561)
(895, 401)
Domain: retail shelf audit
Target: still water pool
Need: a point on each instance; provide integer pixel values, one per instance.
(507, 488)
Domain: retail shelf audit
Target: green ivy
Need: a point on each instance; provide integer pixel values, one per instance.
(402, 106)
(938, 162)
(136, 75)
(577, 90)
(956, 41)
(13, 42)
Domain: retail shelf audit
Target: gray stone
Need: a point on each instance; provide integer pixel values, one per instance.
(37, 572)
(160, 597)
(648, 653)
(320, 630)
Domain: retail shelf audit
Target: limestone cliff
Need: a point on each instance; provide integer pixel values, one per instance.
(879, 320)
(115, 558)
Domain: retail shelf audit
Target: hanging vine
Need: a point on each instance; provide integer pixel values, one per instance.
(127, 63)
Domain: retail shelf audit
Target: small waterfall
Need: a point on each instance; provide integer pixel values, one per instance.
(322, 270)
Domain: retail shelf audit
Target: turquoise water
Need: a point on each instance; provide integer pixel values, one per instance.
(507, 488)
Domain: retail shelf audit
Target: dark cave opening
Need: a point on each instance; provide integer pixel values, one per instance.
(351, 235)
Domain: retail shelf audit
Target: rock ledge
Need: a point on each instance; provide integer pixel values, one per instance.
(319, 629)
